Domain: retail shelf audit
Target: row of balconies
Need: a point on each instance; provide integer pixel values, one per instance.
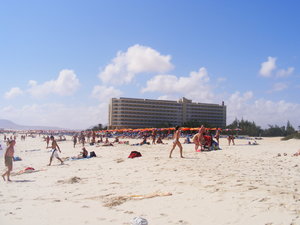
(171, 106)
(146, 102)
(138, 120)
(161, 102)
(167, 115)
(145, 110)
(148, 113)
(145, 119)
(190, 107)
(145, 107)
(163, 111)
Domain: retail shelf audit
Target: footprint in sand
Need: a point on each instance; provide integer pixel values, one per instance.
(264, 199)
(252, 188)
(128, 212)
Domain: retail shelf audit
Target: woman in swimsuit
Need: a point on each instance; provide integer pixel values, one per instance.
(176, 142)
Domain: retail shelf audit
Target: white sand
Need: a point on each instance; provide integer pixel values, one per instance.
(240, 184)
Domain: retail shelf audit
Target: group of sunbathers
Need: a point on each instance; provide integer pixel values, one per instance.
(205, 140)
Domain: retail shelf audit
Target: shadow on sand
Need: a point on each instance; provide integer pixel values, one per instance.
(23, 181)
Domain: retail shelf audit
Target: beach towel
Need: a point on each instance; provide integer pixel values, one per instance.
(134, 154)
(27, 170)
(17, 158)
(76, 158)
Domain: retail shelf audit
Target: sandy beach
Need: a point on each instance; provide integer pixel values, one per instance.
(240, 184)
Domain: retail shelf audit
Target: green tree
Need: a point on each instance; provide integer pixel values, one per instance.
(289, 129)
(247, 127)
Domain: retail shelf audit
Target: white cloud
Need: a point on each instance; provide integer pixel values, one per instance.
(66, 84)
(262, 112)
(236, 104)
(57, 115)
(267, 67)
(13, 92)
(221, 79)
(279, 87)
(195, 86)
(137, 59)
(104, 93)
(167, 97)
(32, 83)
(285, 73)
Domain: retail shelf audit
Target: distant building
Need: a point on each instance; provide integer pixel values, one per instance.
(146, 113)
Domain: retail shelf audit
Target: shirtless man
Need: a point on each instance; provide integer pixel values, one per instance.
(176, 142)
(54, 153)
(8, 156)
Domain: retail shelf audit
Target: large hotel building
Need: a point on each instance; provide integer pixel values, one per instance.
(147, 113)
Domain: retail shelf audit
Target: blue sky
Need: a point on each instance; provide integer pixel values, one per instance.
(61, 61)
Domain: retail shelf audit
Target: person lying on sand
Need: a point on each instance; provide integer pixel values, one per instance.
(107, 143)
(116, 140)
(297, 153)
(252, 143)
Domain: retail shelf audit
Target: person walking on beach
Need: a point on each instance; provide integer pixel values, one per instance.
(54, 153)
(8, 158)
(176, 142)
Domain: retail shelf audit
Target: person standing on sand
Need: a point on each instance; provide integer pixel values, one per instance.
(196, 140)
(176, 142)
(153, 136)
(74, 140)
(47, 141)
(54, 153)
(8, 157)
(217, 136)
(230, 138)
(82, 138)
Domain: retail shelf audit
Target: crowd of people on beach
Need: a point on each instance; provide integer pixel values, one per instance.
(203, 140)
(200, 139)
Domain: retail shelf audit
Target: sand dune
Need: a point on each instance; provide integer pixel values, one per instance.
(241, 184)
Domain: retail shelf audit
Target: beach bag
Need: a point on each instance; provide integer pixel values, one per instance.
(92, 154)
(134, 154)
(139, 221)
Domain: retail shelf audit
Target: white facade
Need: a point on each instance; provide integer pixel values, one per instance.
(146, 113)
